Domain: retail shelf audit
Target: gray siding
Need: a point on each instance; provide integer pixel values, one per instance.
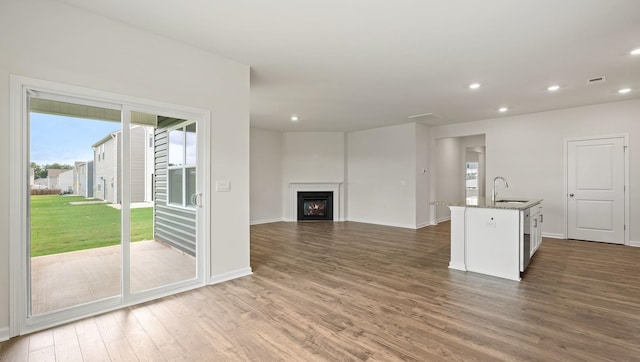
(173, 225)
(138, 149)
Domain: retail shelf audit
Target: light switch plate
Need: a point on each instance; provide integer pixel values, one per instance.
(223, 186)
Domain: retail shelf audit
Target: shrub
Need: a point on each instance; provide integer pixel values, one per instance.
(45, 191)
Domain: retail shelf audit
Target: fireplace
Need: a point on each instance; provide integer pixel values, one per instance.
(315, 205)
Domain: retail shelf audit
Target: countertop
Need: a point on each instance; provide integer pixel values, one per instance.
(502, 203)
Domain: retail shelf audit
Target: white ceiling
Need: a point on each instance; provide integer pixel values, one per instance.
(357, 64)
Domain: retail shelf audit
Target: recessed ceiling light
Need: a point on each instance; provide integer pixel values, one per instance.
(474, 85)
(624, 90)
(294, 118)
(503, 109)
(553, 88)
(635, 51)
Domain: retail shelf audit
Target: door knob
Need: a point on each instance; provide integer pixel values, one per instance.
(570, 195)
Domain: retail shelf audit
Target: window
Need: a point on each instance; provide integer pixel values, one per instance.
(100, 152)
(182, 166)
(472, 176)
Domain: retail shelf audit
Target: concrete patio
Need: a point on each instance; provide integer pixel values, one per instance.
(68, 279)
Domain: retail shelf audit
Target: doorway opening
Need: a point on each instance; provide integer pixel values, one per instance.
(475, 173)
(460, 171)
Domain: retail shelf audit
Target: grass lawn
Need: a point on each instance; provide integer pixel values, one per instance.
(58, 227)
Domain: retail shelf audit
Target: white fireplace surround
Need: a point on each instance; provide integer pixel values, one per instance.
(302, 186)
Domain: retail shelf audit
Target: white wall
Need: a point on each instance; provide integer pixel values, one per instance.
(311, 157)
(382, 175)
(423, 169)
(266, 176)
(52, 41)
(528, 151)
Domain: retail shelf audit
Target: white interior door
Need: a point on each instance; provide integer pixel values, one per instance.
(595, 190)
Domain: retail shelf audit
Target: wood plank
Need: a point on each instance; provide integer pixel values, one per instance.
(92, 346)
(352, 291)
(66, 343)
(15, 349)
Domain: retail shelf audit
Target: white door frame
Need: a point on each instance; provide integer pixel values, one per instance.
(19, 181)
(625, 137)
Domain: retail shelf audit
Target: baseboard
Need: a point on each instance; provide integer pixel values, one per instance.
(404, 226)
(4, 334)
(267, 221)
(553, 236)
(457, 266)
(425, 224)
(634, 243)
(215, 279)
(443, 219)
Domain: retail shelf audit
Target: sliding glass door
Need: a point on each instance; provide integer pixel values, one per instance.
(113, 206)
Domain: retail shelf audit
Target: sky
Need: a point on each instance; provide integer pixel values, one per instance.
(65, 139)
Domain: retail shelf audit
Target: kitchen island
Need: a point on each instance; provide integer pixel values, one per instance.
(494, 238)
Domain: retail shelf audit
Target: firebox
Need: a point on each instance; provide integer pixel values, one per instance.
(315, 205)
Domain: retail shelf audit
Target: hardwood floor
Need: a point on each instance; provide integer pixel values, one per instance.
(351, 291)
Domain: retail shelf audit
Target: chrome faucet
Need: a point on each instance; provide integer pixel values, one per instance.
(493, 191)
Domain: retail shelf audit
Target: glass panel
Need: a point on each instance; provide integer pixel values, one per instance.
(191, 186)
(176, 147)
(191, 144)
(315, 207)
(471, 181)
(74, 216)
(162, 237)
(472, 175)
(175, 186)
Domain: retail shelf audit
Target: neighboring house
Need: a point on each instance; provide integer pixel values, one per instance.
(83, 178)
(32, 176)
(40, 184)
(107, 161)
(52, 177)
(65, 181)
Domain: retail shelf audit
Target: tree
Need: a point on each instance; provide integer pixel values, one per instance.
(58, 166)
(41, 171)
(38, 171)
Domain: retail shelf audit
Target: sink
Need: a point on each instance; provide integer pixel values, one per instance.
(516, 202)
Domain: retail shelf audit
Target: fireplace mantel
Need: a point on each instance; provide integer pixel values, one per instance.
(305, 186)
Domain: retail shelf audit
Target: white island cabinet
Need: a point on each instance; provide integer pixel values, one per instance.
(495, 238)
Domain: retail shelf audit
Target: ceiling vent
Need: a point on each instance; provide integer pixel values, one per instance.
(595, 80)
(428, 118)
